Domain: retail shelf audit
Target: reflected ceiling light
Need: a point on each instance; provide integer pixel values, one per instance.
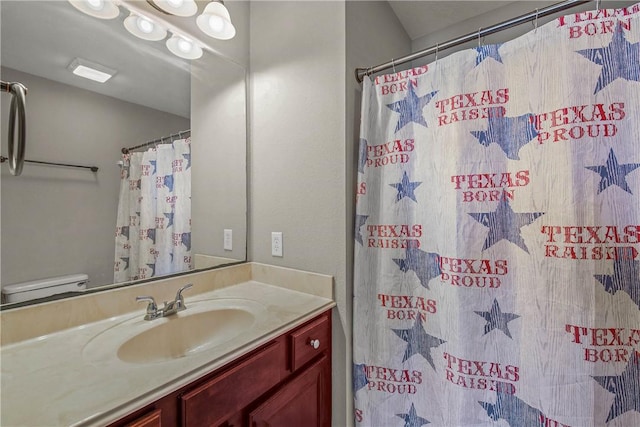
(144, 28)
(184, 47)
(103, 9)
(177, 7)
(215, 21)
(91, 70)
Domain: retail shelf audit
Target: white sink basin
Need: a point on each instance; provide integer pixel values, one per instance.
(203, 325)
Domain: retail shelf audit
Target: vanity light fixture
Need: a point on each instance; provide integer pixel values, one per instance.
(176, 7)
(215, 21)
(183, 47)
(91, 70)
(144, 28)
(103, 9)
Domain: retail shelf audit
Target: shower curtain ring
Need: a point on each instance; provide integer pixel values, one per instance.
(479, 31)
(597, 4)
(437, 47)
(393, 64)
(536, 23)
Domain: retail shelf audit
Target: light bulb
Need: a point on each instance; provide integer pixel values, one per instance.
(103, 9)
(177, 7)
(185, 45)
(95, 4)
(216, 23)
(144, 28)
(145, 25)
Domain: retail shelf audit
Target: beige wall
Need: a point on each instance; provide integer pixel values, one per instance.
(297, 149)
(58, 221)
(303, 127)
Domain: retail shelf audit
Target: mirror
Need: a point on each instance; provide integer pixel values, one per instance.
(60, 220)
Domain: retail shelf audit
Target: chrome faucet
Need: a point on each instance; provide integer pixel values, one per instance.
(152, 308)
(170, 307)
(178, 303)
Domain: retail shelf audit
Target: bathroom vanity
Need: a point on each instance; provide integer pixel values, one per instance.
(286, 382)
(252, 348)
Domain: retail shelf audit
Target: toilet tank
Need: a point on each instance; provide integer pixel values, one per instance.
(41, 288)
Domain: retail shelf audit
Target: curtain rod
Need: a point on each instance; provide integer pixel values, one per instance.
(538, 13)
(93, 168)
(169, 139)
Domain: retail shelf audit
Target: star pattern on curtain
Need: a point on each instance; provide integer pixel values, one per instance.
(359, 377)
(497, 319)
(406, 188)
(619, 59)
(418, 342)
(410, 108)
(412, 419)
(125, 231)
(169, 216)
(360, 221)
(152, 267)
(488, 51)
(505, 224)
(185, 239)
(613, 173)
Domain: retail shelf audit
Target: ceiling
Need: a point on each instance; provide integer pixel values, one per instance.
(420, 18)
(43, 37)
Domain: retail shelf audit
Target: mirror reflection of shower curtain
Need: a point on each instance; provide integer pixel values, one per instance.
(153, 230)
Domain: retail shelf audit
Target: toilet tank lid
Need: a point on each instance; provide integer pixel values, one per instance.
(44, 283)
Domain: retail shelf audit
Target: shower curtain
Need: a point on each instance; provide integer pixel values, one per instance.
(497, 254)
(153, 230)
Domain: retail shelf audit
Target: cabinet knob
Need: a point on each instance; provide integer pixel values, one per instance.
(314, 343)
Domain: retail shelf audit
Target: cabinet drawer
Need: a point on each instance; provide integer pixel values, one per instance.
(216, 400)
(309, 340)
(152, 419)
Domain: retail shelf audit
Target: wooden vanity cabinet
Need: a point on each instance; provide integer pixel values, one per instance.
(151, 419)
(286, 382)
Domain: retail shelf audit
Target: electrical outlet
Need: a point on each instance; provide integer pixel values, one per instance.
(228, 240)
(276, 243)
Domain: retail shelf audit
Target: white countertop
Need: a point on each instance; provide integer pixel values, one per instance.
(53, 380)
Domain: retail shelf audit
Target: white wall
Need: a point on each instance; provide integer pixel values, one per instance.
(58, 221)
(304, 110)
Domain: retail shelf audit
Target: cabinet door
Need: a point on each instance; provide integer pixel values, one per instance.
(213, 402)
(303, 401)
